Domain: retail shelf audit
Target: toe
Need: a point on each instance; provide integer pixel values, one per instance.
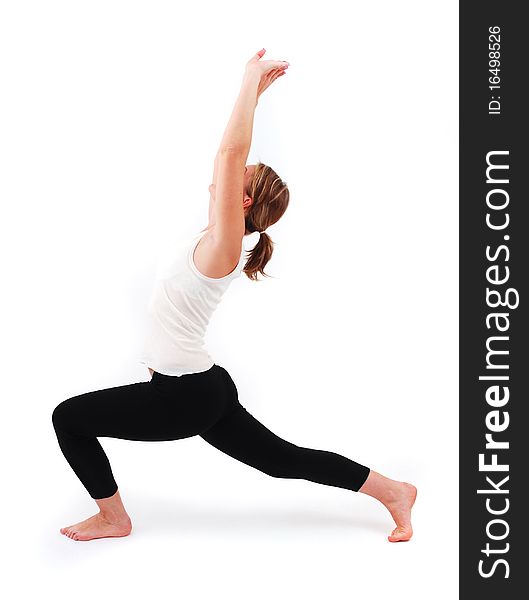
(399, 535)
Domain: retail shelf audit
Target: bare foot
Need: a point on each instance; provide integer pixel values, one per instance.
(398, 497)
(400, 508)
(98, 526)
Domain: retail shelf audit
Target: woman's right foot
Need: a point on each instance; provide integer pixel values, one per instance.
(98, 526)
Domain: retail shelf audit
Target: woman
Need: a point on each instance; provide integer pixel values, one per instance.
(188, 393)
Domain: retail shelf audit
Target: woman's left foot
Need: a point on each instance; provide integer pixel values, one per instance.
(400, 508)
(98, 526)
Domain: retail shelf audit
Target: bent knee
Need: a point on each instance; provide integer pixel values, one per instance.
(62, 415)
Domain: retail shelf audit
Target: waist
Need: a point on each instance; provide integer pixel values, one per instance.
(158, 376)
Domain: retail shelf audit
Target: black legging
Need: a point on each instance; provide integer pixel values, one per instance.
(170, 408)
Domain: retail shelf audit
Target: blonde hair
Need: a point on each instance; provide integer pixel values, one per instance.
(270, 200)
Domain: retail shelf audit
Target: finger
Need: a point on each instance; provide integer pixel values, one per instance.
(256, 57)
(271, 65)
(267, 82)
(271, 73)
(267, 78)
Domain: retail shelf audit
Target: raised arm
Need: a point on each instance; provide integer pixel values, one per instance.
(227, 189)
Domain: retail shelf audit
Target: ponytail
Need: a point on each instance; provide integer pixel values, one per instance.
(259, 256)
(270, 198)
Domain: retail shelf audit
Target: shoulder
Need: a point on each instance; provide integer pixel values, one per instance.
(213, 257)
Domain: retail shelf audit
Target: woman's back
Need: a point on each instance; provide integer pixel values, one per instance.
(179, 311)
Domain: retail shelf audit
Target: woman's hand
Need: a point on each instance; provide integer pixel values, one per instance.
(267, 70)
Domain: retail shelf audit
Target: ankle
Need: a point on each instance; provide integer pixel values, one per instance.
(383, 489)
(115, 518)
(392, 493)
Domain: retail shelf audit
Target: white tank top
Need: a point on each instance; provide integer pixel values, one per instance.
(179, 310)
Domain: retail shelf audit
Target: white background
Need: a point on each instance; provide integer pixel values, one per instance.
(111, 114)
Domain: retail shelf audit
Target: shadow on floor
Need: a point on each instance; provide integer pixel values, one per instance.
(157, 514)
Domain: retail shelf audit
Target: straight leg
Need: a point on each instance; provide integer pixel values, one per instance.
(240, 435)
(243, 437)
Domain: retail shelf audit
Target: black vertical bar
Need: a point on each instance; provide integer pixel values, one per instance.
(493, 121)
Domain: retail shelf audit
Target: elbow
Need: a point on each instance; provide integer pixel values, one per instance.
(233, 150)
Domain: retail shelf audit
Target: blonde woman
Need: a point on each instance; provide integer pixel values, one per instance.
(188, 393)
